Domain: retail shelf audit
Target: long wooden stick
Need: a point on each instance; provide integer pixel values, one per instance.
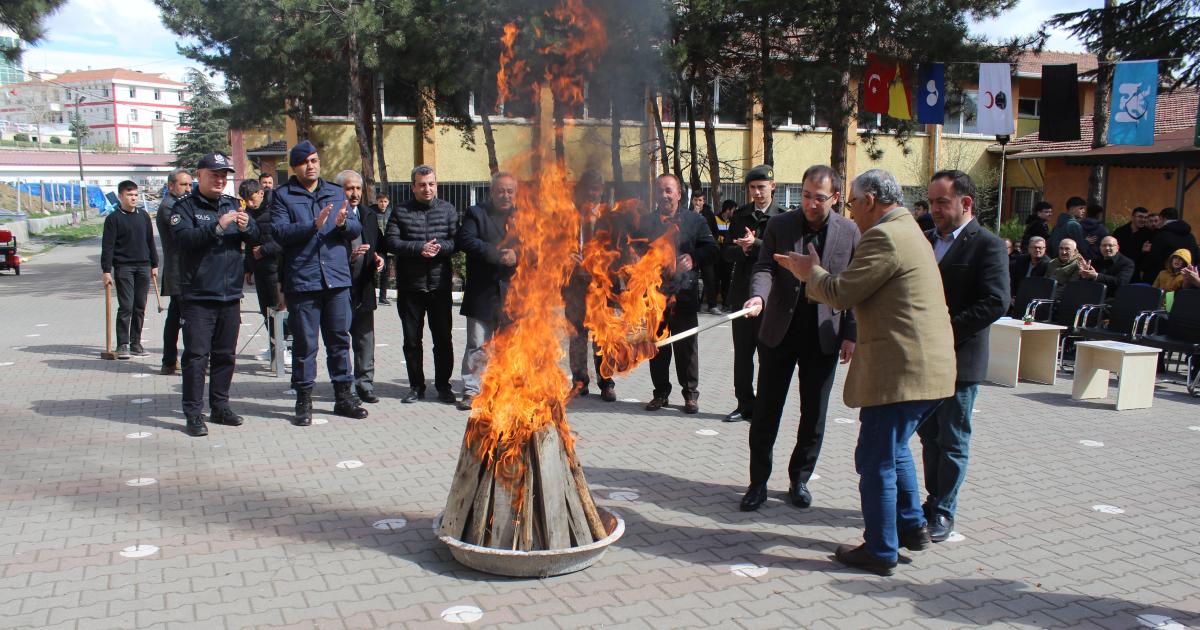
(703, 327)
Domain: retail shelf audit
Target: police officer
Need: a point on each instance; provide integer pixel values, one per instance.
(179, 185)
(209, 228)
(313, 223)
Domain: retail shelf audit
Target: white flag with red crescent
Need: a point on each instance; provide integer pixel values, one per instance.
(995, 101)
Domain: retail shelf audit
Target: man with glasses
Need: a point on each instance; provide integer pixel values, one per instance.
(798, 334)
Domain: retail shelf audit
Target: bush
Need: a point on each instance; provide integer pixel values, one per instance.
(55, 140)
(72, 141)
(21, 137)
(1012, 230)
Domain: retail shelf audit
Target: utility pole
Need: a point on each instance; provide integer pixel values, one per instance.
(78, 120)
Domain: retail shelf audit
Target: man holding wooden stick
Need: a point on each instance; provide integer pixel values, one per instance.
(129, 259)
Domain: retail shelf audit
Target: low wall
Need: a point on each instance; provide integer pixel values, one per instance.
(22, 228)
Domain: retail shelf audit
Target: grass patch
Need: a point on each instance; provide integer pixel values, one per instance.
(73, 233)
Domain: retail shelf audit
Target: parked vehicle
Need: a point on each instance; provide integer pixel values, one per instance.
(8, 252)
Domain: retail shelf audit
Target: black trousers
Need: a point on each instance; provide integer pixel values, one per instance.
(362, 345)
(133, 284)
(745, 344)
(800, 350)
(171, 333)
(383, 277)
(210, 332)
(708, 275)
(413, 307)
(680, 317)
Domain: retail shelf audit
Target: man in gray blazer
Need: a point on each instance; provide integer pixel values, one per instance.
(798, 334)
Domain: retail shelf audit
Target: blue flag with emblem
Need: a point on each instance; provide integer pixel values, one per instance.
(931, 94)
(1134, 94)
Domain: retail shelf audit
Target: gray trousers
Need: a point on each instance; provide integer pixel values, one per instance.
(362, 344)
(479, 332)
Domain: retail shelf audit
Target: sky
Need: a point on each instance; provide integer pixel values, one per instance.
(128, 33)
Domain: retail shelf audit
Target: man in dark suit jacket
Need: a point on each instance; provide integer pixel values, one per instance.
(1029, 265)
(179, 185)
(491, 262)
(796, 333)
(974, 267)
(1114, 269)
(365, 261)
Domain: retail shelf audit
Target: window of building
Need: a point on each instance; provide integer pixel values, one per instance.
(133, 115)
(733, 104)
(157, 94)
(1023, 200)
(158, 114)
(107, 114)
(134, 137)
(961, 114)
(1029, 107)
(104, 91)
(132, 92)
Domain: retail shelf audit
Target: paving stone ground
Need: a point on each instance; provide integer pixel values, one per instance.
(257, 526)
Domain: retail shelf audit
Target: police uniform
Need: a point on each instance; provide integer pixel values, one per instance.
(211, 279)
(316, 285)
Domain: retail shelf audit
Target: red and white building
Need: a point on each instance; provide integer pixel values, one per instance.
(133, 111)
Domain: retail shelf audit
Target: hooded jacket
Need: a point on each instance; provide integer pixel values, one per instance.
(1172, 236)
(1169, 279)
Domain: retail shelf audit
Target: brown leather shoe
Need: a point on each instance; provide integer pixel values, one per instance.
(859, 558)
(608, 394)
(656, 403)
(691, 406)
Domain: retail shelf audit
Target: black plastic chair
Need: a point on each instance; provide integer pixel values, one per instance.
(1079, 299)
(1179, 331)
(1130, 307)
(1034, 294)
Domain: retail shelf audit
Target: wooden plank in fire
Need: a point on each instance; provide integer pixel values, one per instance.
(503, 526)
(599, 532)
(481, 511)
(553, 477)
(462, 492)
(579, 525)
(525, 524)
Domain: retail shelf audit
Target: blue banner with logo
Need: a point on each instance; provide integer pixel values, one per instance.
(1134, 95)
(931, 94)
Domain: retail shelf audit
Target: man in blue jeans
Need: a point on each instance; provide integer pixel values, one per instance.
(902, 366)
(974, 266)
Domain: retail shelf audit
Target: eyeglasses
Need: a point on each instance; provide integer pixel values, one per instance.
(817, 198)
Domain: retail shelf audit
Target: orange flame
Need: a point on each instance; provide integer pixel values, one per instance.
(507, 79)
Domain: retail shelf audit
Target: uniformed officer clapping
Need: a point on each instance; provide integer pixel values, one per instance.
(209, 229)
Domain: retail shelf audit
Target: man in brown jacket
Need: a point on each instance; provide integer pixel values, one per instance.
(903, 366)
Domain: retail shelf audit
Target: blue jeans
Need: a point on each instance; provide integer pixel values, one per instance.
(945, 446)
(887, 475)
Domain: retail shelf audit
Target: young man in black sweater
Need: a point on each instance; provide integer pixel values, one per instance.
(129, 258)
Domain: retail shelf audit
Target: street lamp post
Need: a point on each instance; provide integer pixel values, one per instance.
(79, 153)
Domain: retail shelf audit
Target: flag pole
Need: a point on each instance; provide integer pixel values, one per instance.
(1003, 140)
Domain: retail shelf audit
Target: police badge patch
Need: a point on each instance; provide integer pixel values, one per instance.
(174, 219)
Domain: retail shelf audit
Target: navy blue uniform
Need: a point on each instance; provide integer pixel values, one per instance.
(210, 264)
(316, 277)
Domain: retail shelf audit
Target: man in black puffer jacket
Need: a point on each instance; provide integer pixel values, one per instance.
(420, 234)
(1173, 234)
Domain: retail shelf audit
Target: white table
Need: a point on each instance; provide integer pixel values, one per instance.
(1135, 366)
(1017, 350)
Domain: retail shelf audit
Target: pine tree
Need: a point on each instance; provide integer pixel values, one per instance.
(205, 120)
(24, 17)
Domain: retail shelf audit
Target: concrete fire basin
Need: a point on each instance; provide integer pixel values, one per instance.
(537, 564)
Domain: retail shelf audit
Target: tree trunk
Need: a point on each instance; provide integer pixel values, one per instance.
(560, 147)
(694, 167)
(1102, 105)
(710, 141)
(618, 179)
(489, 141)
(843, 115)
(379, 128)
(764, 53)
(656, 112)
(359, 113)
(678, 161)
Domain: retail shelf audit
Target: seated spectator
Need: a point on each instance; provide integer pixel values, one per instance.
(1031, 265)
(1065, 268)
(1113, 268)
(1171, 278)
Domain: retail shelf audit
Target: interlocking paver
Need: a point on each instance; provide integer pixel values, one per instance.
(257, 528)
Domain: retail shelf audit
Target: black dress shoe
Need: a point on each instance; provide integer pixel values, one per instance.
(581, 389)
(656, 403)
(413, 396)
(754, 498)
(384, 301)
(167, 370)
(137, 350)
(691, 406)
(196, 426)
(447, 396)
(225, 416)
(734, 416)
(940, 527)
(368, 396)
(464, 404)
(916, 539)
(799, 495)
(608, 394)
(859, 558)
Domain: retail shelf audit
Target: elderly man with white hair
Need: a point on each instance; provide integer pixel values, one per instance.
(364, 263)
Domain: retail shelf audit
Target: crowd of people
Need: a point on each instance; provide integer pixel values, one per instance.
(906, 298)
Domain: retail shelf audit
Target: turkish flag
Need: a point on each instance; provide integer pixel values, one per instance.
(878, 76)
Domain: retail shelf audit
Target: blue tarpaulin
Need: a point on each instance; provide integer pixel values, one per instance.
(63, 192)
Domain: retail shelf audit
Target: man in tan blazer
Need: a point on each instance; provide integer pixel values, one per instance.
(903, 365)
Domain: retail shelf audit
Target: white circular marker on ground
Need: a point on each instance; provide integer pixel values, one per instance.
(814, 477)
(289, 392)
(1107, 509)
(141, 401)
(630, 400)
(42, 325)
(381, 345)
(974, 411)
(843, 420)
(707, 432)
(8, 363)
(462, 614)
(350, 463)
(390, 523)
(1193, 428)
(138, 436)
(141, 481)
(1091, 443)
(955, 537)
(139, 551)
(623, 495)
(1160, 622)
(141, 376)
(320, 421)
(748, 570)
(246, 325)
(33, 335)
